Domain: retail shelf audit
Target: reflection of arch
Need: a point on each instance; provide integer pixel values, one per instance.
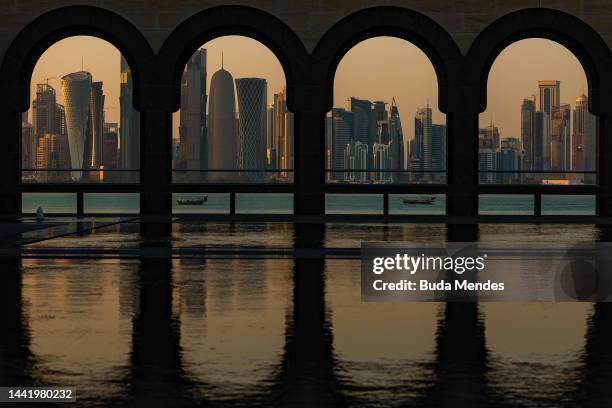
(229, 20)
(25, 50)
(571, 32)
(398, 22)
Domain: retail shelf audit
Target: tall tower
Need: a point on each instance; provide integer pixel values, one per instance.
(76, 88)
(192, 128)
(528, 132)
(96, 123)
(44, 110)
(222, 127)
(252, 96)
(438, 151)
(550, 96)
(342, 135)
(129, 122)
(283, 133)
(270, 137)
(397, 138)
(365, 121)
(422, 134)
(583, 140)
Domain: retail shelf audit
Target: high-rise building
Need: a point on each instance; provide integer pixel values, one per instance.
(583, 139)
(110, 159)
(96, 126)
(360, 152)
(396, 139)
(129, 122)
(364, 121)
(438, 152)
(52, 154)
(270, 137)
(342, 135)
(44, 110)
(509, 159)
(542, 144)
(60, 120)
(486, 158)
(560, 137)
(28, 146)
(550, 96)
(381, 116)
(382, 162)
(422, 135)
(192, 127)
(252, 101)
(528, 132)
(222, 135)
(283, 133)
(349, 163)
(329, 132)
(76, 88)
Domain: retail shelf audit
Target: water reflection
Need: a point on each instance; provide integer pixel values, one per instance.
(16, 359)
(156, 372)
(157, 331)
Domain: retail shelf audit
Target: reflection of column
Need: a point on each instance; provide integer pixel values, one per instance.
(461, 358)
(15, 356)
(307, 376)
(156, 371)
(597, 355)
(461, 355)
(597, 359)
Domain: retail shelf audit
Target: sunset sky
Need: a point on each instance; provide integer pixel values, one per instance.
(376, 69)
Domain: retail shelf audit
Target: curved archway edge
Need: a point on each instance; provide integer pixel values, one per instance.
(462, 80)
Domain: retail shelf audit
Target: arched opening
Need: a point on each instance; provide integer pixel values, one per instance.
(537, 128)
(385, 126)
(81, 126)
(233, 125)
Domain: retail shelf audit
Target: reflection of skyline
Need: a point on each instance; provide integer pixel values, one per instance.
(447, 364)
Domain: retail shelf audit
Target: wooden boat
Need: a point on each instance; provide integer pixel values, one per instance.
(419, 200)
(196, 201)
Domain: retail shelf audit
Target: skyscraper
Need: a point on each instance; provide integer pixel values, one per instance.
(129, 122)
(96, 126)
(486, 158)
(76, 88)
(397, 139)
(438, 151)
(222, 140)
(252, 101)
(28, 143)
(382, 162)
(422, 134)
(270, 137)
(509, 159)
(361, 153)
(364, 121)
(44, 110)
(560, 137)
(528, 132)
(283, 133)
(342, 135)
(52, 153)
(542, 145)
(583, 140)
(550, 96)
(192, 127)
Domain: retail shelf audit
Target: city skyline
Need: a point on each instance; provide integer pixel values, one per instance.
(348, 86)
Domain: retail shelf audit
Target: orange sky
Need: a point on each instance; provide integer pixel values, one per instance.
(376, 69)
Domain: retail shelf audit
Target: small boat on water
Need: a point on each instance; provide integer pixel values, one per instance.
(193, 201)
(419, 200)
